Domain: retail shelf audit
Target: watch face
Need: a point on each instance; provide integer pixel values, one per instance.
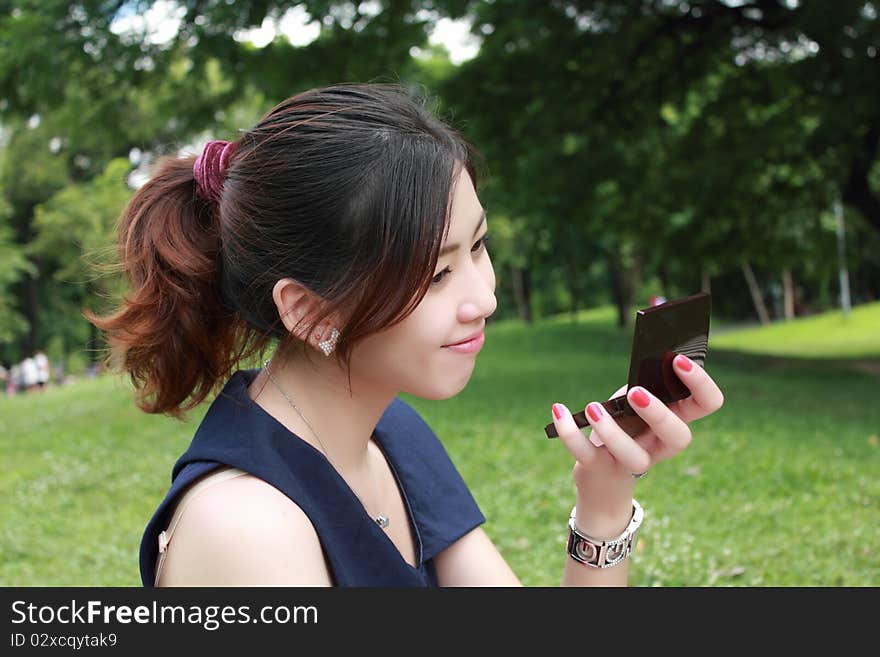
(615, 552)
(603, 554)
(586, 551)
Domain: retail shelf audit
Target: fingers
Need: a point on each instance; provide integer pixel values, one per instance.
(706, 397)
(623, 448)
(669, 431)
(594, 437)
(673, 434)
(572, 436)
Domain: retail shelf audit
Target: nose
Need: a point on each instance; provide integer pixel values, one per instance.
(479, 299)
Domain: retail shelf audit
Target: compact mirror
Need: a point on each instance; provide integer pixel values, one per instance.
(679, 326)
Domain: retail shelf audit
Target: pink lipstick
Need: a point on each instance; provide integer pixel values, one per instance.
(471, 346)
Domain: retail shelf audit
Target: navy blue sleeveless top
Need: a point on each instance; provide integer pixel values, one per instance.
(238, 432)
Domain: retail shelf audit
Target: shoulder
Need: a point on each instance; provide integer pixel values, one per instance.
(401, 411)
(402, 422)
(244, 532)
(412, 439)
(447, 512)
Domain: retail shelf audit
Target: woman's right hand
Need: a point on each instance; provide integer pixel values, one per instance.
(607, 462)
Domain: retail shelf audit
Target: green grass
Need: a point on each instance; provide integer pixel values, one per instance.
(779, 487)
(828, 335)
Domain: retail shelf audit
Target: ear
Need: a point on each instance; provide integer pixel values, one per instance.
(295, 304)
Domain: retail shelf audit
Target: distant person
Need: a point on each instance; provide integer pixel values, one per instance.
(42, 363)
(13, 383)
(29, 373)
(346, 224)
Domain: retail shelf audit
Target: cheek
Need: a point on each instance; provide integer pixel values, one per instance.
(410, 358)
(419, 354)
(408, 349)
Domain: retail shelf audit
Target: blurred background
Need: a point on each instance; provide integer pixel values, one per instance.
(637, 151)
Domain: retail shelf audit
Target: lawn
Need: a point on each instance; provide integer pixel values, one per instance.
(827, 335)
(779, 488)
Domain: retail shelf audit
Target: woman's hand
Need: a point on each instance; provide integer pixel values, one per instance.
(609, 459)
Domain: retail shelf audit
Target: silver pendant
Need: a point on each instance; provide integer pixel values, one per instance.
(382, 521)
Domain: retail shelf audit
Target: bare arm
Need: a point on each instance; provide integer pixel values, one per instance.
(605, 463)
(603, 480)
(473, 560)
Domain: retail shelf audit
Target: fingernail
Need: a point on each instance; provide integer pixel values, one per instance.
(594, 410)
(640, 397)
(559, 411)
(684, 362)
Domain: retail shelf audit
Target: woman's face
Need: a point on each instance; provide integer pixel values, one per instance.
(411, 356)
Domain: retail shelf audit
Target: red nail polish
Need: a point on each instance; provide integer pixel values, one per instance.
(685, 363)
(557, 411)
(640, 397)
(594, 410)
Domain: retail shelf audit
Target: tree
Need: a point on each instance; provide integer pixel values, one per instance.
(716, 128)
(75, 228)
(13, 265)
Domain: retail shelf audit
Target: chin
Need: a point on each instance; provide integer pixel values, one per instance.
(449, 388)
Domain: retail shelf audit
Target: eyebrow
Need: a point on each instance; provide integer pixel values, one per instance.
(449, 248)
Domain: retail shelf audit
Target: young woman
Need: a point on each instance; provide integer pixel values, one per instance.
(345, 225)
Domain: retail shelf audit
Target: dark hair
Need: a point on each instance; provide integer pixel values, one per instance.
(346, 189)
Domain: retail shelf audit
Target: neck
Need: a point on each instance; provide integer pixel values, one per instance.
(343, 421)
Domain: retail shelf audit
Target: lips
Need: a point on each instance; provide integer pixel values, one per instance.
(467, 339)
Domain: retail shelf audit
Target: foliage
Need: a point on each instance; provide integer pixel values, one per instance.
(75, 228)
(633, 148)
(13, 265)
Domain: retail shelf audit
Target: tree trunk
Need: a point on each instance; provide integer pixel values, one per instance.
(705, 281)
(575, 292)
(31, 310)
(622, 286)
(843, 271)
(27, 287)
(755, 291)
(636, 272)
(788, 293)
(663, 275)
(94, 346)
(522, 292)
(573, 304)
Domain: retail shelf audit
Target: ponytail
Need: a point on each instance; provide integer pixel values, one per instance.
(172, 333)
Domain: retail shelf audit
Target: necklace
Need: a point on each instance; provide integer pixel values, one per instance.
(381, 520)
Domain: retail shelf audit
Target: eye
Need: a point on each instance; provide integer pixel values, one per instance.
(440, 276)
(481, 242)
(477, 247)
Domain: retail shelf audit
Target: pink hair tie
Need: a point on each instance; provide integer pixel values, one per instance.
(209, 168)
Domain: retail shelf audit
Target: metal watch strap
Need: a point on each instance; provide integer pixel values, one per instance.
(604, 554)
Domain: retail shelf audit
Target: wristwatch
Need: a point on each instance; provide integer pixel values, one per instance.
(603, 554)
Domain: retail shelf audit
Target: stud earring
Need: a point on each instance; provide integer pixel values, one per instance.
(327, 346)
